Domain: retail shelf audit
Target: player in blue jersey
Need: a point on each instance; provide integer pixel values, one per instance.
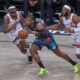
(45, 38)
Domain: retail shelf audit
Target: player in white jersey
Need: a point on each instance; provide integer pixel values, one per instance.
(72, 25)
(12, 26)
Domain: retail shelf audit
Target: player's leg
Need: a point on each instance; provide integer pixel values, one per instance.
(27, 46)
(34, 53)
(78, 51)
(76, 45)
(23, 50)
(34, 48)
(63, 55)
(20, 44)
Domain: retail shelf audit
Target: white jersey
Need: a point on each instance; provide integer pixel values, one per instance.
(75, 36)
(14, 32)
(69, 24)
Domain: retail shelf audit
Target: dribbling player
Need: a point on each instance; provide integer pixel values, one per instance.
(12, 26)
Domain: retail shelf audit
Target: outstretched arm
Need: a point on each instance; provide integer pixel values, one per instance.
(56, 26)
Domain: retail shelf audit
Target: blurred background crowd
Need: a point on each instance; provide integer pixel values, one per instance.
(47, 10)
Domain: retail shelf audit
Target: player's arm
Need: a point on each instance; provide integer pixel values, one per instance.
(40, 34)
(6, 27)
(76, 20)
(56, 26)
(22, 18)
(34, 32)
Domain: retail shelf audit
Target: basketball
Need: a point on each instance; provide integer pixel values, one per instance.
(23, 34)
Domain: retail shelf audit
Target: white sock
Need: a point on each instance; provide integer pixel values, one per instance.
(28, 52)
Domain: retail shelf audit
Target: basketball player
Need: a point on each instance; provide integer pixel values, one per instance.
(72, 25)
(12, 26)
(30, 23)
(45, 38)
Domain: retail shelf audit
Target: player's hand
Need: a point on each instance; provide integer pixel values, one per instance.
(16, 39)
(67, 30)
(34, 32)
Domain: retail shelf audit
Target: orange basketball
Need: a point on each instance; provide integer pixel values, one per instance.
(23, 34)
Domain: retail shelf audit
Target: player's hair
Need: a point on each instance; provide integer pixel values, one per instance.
(31, 16)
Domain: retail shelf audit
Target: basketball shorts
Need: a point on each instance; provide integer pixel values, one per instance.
(51, 45)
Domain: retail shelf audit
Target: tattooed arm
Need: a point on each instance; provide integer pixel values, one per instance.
(8, 28)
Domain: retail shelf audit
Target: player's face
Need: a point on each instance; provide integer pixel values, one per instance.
(29, 21)
(64, 12)
(12, 12)
(39, 26)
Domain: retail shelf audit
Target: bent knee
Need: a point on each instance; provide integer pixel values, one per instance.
(24, 51)
(58, 52)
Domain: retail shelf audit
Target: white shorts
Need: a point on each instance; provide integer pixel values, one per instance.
(77, 50)
(76, 40)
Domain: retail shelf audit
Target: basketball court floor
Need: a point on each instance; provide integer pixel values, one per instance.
(13, 65)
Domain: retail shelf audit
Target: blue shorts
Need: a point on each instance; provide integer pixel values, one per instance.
(40, 44)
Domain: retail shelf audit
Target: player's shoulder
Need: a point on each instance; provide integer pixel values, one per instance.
(6, 16)
(75, 16)
(6, 20)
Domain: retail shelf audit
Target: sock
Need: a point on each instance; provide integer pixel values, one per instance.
(72, 62)
(41, 64)
(28, 52)
(30, 58)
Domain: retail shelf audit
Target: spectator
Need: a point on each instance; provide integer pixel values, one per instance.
(51, 6)
(35, 5)
(77, 5)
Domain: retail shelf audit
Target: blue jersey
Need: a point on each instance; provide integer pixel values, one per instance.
(45, 38)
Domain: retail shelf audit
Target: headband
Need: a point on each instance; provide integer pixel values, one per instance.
(67, 7)
(11, 7)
